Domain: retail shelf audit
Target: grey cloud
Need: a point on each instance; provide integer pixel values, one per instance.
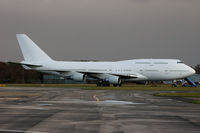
(103, 29)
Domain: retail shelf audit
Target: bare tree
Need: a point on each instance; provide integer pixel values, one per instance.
(17, 74)
(197, 68)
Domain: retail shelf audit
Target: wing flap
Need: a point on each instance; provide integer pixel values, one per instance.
(124, 76)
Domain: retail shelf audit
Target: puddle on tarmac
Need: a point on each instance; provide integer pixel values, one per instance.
(78, 101)
(45, 104)
(118, 102)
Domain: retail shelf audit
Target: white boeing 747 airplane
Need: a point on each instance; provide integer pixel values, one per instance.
(104, 72)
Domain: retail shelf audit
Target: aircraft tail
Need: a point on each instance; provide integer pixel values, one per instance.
(31, 52)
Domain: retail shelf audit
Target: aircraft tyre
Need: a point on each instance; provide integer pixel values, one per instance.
(115, 85)
(103, 83)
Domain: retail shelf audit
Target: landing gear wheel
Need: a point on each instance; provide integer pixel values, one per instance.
(103, 83)
(99, 83)
(115, 85)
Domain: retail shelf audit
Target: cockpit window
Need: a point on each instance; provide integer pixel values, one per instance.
(179, 62)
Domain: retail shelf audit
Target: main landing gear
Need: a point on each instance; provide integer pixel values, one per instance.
(106, 84)
(115, 85)
(103, 83)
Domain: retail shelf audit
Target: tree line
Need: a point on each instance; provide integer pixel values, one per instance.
(197, 68)
(17, 74)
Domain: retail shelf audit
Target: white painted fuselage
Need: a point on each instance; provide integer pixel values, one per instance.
(144, 69)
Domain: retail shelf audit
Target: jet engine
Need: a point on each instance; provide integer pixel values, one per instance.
(77, 76)
(113, 79)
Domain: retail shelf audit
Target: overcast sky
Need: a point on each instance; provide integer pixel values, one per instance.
(103, 29)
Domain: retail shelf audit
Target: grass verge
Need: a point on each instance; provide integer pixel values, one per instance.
(190, 97)
(195, 102)
(124, 87)
(178, 94)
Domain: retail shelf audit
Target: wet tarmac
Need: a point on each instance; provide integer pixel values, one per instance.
(71, 110)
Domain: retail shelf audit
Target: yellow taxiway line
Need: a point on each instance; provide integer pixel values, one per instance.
(96, 98)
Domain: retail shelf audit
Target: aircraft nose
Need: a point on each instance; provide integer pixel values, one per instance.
(192, 71)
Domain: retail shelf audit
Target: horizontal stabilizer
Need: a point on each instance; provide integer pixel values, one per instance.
(26, 64)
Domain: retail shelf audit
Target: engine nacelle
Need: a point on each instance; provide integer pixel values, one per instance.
(77, 76)
(113, 79)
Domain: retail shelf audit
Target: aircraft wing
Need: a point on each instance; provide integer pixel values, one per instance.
(96, 75)
(93, 74)
(126, 76)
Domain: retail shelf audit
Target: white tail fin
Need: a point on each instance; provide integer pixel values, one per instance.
(30, 51)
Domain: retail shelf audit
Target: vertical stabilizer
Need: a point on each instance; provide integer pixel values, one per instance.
(30, 51)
